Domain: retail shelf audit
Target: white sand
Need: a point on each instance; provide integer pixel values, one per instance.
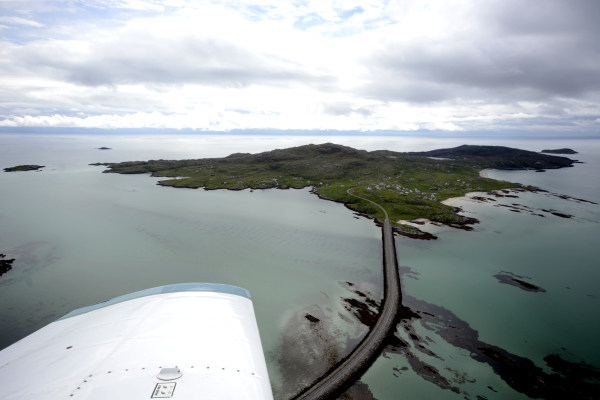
(485, 173)
(453, 201)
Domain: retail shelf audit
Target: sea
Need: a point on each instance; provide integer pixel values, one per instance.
(518, 294)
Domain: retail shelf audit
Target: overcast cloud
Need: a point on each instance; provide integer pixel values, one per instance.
(313, 64)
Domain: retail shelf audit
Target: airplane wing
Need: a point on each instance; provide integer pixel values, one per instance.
(185, 341)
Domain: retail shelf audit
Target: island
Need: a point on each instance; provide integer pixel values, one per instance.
(103, 148)
(5, 264)
(409, 186)
(28, 167)
(560, 151)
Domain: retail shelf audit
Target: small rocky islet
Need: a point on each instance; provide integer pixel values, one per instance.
(5, 264)
(26, 167)
(564, 150)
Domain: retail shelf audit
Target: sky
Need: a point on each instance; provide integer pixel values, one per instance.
(352, 65)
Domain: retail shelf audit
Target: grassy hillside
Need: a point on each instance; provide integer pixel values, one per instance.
(407, 185)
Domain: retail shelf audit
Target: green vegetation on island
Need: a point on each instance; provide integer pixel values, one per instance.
(408, 185)
(28, 167)
(559, 151)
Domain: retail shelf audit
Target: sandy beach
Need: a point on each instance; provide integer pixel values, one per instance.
(455, 201)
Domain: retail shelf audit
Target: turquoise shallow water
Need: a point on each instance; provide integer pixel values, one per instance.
(457, 272)
(80, 237)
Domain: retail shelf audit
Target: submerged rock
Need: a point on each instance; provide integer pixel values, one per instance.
(516, 280)
(569, 379)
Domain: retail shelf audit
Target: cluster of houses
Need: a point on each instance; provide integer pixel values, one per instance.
(403, 190)
(416, 192)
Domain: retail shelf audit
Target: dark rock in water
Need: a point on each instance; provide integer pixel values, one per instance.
(313, 341)
(566, 197)
(414, 234)
(573, 371)
(482, 199)
(570, 380)
(564, 150)
(28, 167)
(311, 318)
(557, 213)
(5, 264)
(562, 215)
(516, 280)
(361, 311)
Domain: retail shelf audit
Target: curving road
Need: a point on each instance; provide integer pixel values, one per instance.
(370, 201)
(345, 373)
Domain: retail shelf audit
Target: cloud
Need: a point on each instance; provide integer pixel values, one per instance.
(139, 5)
(20, 21)
(514, 52)
(344, 108)
(315, 64)
(172, 50)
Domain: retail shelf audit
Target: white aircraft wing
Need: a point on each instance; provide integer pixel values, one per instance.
(186, 341)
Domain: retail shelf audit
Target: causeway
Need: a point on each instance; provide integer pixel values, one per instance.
(351, 368)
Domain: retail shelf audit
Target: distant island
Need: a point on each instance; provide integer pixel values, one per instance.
(5, 264)
(560, 151)
(410, 186)
(29, 167)
(103, 148)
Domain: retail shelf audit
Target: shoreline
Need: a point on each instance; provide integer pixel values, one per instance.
(455, 201)
(485, 173)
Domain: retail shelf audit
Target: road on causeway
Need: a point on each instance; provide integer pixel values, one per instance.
(350, 369)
